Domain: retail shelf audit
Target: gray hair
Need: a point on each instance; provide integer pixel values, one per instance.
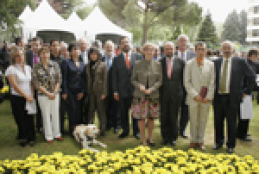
(82, 40)
(110, 43)
(183, 36)
(228, 42)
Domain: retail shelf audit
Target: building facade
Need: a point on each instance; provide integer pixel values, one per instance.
(253, 23)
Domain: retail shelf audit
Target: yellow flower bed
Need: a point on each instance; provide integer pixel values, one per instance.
(5, 90)
(140, 160)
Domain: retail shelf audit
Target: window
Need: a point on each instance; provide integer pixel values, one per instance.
(256, 21)
(256, 10)
(256, 33)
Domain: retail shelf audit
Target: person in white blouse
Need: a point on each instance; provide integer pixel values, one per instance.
(19, 77)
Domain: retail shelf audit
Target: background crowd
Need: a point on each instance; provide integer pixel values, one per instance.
(56, 80)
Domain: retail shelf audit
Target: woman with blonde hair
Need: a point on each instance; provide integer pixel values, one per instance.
(147, 79)
(19, 77)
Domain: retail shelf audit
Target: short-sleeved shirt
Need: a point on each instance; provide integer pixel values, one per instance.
(23, 78)
(47, 78)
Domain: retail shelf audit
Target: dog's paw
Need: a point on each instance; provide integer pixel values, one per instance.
(96, 151)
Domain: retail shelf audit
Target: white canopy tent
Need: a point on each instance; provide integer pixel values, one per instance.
(76, 25)
(44, 19)
(27, 12)
(98, 24)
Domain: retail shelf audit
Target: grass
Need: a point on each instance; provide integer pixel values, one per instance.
(10, 149)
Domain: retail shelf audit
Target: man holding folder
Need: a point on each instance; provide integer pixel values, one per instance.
(199, 82)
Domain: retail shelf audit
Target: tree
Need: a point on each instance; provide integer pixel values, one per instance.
(10, 11)
(207, 32)
(243, 26)
(151, 13)
(231, 28)
(85, 11)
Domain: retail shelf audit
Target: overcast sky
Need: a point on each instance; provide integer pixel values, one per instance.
(218, 8)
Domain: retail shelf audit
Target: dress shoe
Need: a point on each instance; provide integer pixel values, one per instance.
(31, 143)
(217, 146)
(123, 135)
(164, 142)
(192, 145)
(60, 139)
(246, 139)
(150, 143)
(202, 147)
(173, 143)
(23, 143)
(183, 134)
(117, 130)
(230, 150)
(50, 141)
(137, 136)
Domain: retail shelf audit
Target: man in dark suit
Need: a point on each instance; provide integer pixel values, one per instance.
(122, 87)
(32, 58)
(112, 115)
(243, 124)
(56, 57)
(186, 55)
(230, 90)
(171, 94)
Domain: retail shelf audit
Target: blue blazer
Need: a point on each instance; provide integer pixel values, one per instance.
(74, 79)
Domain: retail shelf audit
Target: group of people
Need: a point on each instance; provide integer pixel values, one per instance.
(173, 86)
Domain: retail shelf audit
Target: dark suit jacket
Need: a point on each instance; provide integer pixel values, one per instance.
(172, 89)
(99, 85)
(1, 81)
(74, 79)
(255, 67)
(190, 54)
(121, 75)
(109, 76)
(240, 70)
(29, 58)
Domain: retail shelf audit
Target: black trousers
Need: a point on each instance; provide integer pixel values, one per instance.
(124, 107)
(39, 121)
(112, 114)
(74, 110)
(184, 119)
(243, 126)
(169, 120)
(62, 113)
(224, 109)
(24, 121)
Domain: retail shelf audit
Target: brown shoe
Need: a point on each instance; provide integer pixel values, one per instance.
(60, 139)
(192, 145)
(202, 147)
(50, 141)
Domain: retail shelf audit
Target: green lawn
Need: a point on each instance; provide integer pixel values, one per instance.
(9, 147)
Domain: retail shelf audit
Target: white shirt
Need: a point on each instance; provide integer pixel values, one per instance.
(228, 73)
(124, 54)
(172, 61)
(84, 57)
(180, 55)
(23, 79)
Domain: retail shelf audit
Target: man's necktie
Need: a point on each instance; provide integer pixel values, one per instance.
(127, 61)
(223, 80)
(169, 68)
(182, 56)
(108, 63)
(36, 59)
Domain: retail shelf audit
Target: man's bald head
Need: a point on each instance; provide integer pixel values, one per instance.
(169, 49)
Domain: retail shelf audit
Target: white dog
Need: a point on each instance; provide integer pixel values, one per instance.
(86, 135)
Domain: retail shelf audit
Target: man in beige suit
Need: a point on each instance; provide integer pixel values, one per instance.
(199, 81)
